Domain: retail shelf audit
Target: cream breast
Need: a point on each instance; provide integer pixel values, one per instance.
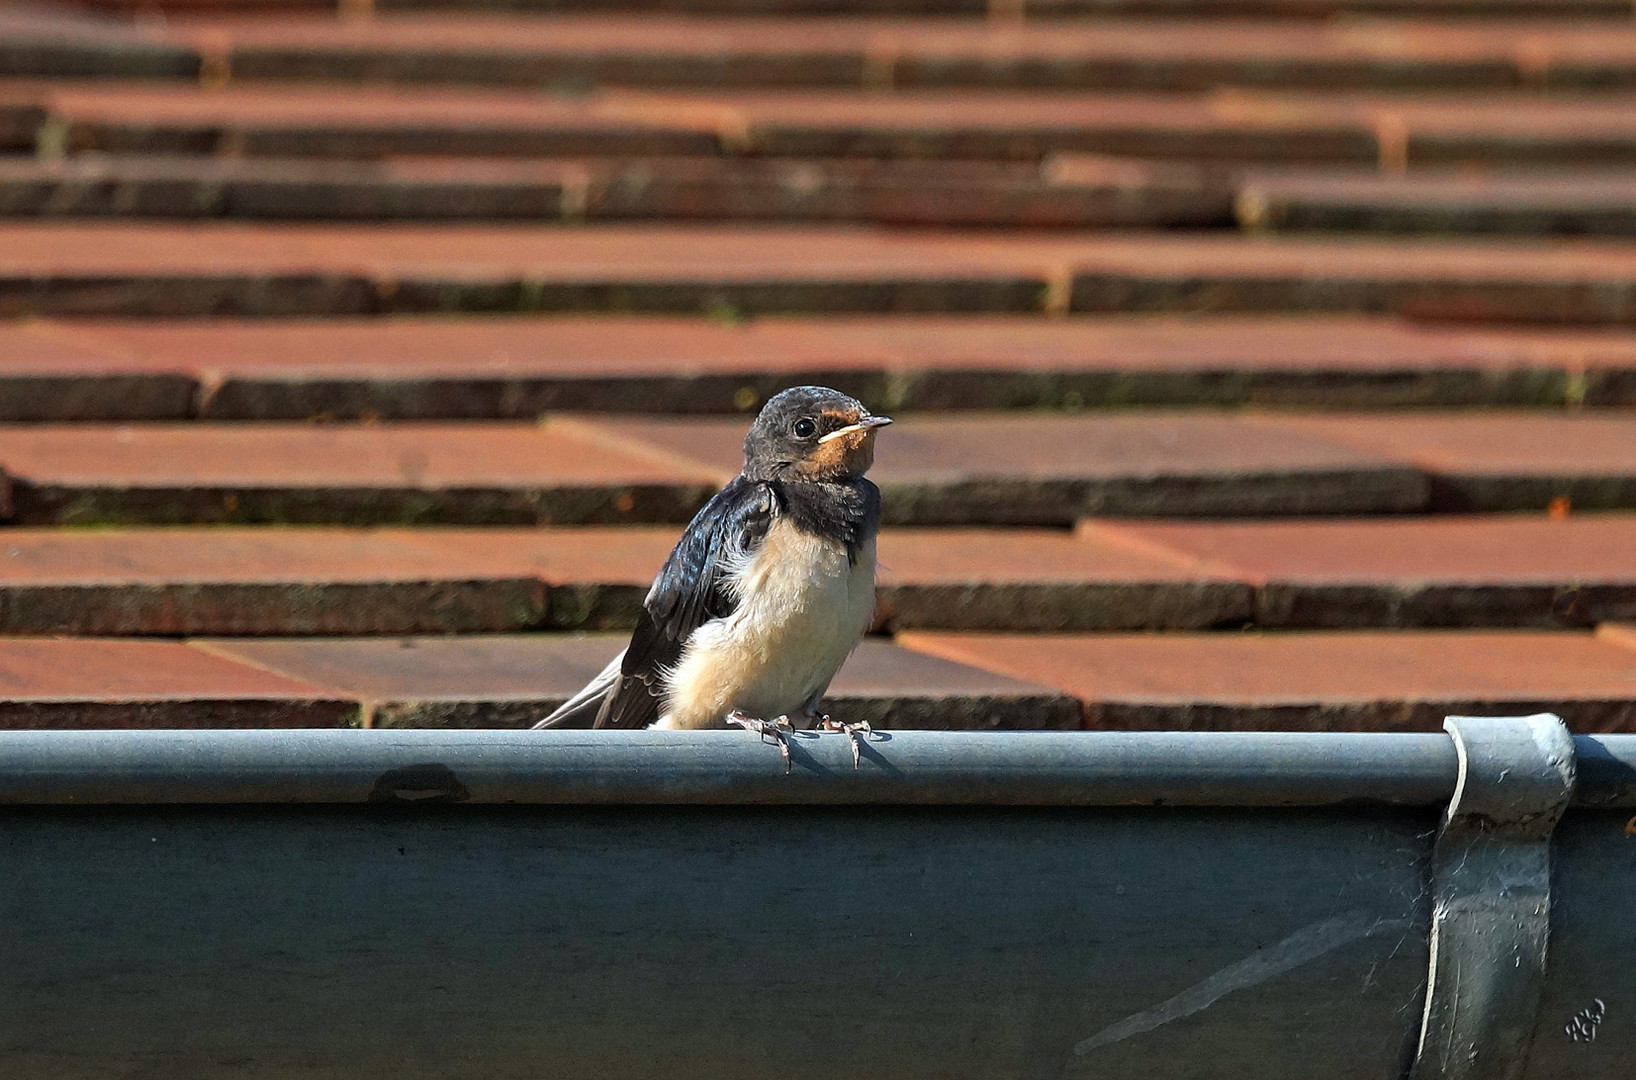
(803, 605)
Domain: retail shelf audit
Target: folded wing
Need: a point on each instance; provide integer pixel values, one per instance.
(690, 590)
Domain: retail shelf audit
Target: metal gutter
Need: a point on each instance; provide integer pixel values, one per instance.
(661, 767)
(1491, 888)
(273, 905)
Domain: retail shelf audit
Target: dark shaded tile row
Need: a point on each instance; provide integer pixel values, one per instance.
(962, 469)
(1005, 9)
(568, 51)
(1312, 681)
(1318, 681)
(1016, 194)
(513, 369)
(263, 270)
(340, 121)
(483, 682)
(1499, 572)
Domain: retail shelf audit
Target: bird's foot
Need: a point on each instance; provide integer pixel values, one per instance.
(855, 732)
(778, 730)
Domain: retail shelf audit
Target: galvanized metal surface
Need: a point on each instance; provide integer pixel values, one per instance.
(825, 943)
(409, 938)
(1586, 1028)
(1491, 889)
(1036, 768)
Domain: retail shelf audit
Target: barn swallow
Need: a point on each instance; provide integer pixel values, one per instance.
(769, 589)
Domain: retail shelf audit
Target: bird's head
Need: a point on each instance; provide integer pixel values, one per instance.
(811, 433)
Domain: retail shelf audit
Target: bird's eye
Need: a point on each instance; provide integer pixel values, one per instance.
(804, 428)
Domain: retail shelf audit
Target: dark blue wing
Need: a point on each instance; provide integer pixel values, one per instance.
(689, 591)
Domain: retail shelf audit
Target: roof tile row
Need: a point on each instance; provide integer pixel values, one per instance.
(970, 468)
(1375, 681)
(462, 368)
(347, 121)
(670, 49)
(1515, 572)
(659, 49)
(1002, 10)
(1069, 191)
(266, 270)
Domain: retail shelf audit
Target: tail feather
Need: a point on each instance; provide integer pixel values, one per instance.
(580, 710)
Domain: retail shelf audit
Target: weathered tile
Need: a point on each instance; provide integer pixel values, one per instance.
(1202, 54)
(993, 469)
(1316, 9)
(59, 43)
(1477, 571)
(344, 474)
(1113, 575)
(69, 683)
(486, 368)
(464, 682)
(564, 52)
(265, 270)
(22, 117)
(1621, 634)
(1524, 129)
(1006, 126)
(906, 192)
(891, 687)
(953, 579)
(50, 375)
(333, 581)
(1051, 469)
(258, 581)
(573, 50)
(516, 680)
(196, 269)
(315, 121)
(1438, 201)
(1308, 360)
(597, 577)
(1501, 461)
(1036, 579)
(1497, 281)
(1315, 681)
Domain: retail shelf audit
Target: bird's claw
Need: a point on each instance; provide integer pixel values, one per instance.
(854, 732)
(777, 729)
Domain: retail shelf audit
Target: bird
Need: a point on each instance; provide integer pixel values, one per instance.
(769, 589)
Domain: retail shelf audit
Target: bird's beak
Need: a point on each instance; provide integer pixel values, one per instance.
(868, 423)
